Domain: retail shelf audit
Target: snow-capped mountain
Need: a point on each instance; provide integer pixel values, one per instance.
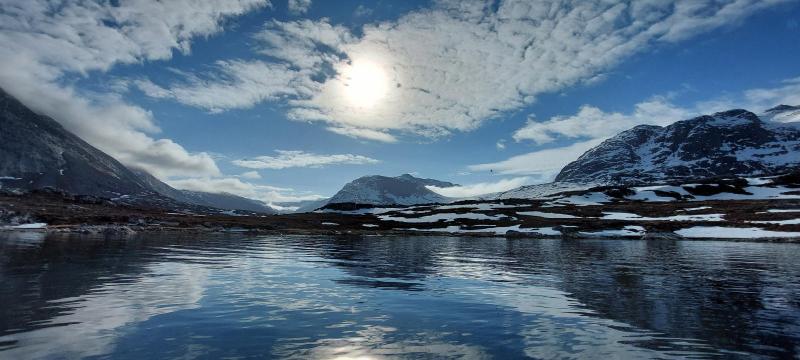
(383, 190)
(734, 142)
(782, 114)
(539, 191)
(37, 152)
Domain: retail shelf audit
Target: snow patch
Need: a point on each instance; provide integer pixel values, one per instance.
(778, 222)
(547, 231)
(547, 215)
(447, 217)
(26, 226)
(634, 217)
(630, 230)
(721, 232)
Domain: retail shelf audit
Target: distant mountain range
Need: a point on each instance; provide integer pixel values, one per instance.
(383, 190)
(36, 152)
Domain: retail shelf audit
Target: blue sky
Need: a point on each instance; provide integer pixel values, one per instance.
(468, 92)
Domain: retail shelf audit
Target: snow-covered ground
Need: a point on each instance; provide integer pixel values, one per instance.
(441, 216)
(455, 229)
(721, 232)
(630, 230)
(25, 226)
(634, 217)
(547, 215)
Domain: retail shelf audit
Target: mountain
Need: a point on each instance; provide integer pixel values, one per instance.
(223, 201)
(783, 114)
(37, 152)
(383, 190)
(734, 142)
(226, 201)
(302, 206)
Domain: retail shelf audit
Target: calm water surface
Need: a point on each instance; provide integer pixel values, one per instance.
(416, 297)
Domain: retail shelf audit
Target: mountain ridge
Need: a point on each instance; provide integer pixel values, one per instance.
(40, 153)
(729, 143)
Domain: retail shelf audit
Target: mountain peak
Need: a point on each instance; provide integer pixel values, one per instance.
(733, 142)
(783, 114)
(782, 108)
(383, 190)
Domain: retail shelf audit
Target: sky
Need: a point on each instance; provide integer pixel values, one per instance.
(289, 100)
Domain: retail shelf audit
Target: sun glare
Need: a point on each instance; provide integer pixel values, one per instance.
(365, 83)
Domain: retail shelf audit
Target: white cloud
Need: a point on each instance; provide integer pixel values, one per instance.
(591, 122)
(361, 133)
(501, 144)
(40, 46)
(299, 6)
(454, 66)
(237, 84)
(252, 175)
(293, 158)
(544, 164)
(480, 188)
(232, 185)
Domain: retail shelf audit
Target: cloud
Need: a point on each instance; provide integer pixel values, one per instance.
(299, 6)
(236, 84)
(361, 133)
(293, 158)
(252, 175)
(480, 188)
(232, 185)
(544, 164)
(41, 47)
(454, 66)
(362, 11)
(591, 122)
(501, 144)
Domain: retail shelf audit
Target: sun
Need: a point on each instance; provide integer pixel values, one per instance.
(365, 83)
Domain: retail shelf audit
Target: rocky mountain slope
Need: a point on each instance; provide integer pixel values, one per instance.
(223, 201)
(226, 201)
(382, 190)
(36, 152)
(730, 143)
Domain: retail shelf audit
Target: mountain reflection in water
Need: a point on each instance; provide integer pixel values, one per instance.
(373, 297)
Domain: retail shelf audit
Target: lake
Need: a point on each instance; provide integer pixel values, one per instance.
(241, 296)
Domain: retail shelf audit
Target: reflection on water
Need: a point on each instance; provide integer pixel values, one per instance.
(415, 297)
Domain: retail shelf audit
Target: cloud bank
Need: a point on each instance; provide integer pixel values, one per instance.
(456, 65)
(294, 158)
(232, 185)
(42, 44)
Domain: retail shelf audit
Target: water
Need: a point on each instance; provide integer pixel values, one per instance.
(375, 297)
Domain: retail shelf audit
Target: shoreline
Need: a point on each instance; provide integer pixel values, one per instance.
(130, 231)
